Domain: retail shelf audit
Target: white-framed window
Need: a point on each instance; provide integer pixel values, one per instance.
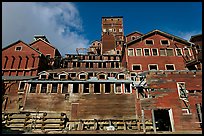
(86, 88)
(146, 52)
(21, 86)
(97, 88)
(138, 52)
(164, 42)
(48, 56)
(153, 66)
(169, 52)
(128, 88)
(179, 52)
(120, 30)
(102, 76)
(110, 30)
(54, 88)
(187, 52)
(43, 76)
(32, 88)
(18, 48)
(162, 52)
(133, 76)
(121, 76)
(181, 86)
(118, 52)
(155, 52)
(136, 67)
(149, 42)
(118, 88)
(62, 76)
(64, 88)
(131, 52)
(82, 76)
(114, 30)
(43, 88)
(169, 66)
(133, 37)
(104, 30)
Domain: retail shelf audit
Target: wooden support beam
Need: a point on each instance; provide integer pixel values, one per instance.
(153, 120)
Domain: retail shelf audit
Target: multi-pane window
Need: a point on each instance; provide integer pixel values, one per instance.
(86, 88)
(153, 67)
(149, 42)
(162, 52)
(33, 88)
(164, 42)
(178, 52)
(64, 88)
(139, 52)
(146, 52)
(18, 48)
(130, 52)
(154, 52)
(118, 88)
(127, 88)
(187, 51)
(169, 52)
(182, 90)
(54, 88)
(136, 67)
(43, 88)
(169, 67)
(121, 76)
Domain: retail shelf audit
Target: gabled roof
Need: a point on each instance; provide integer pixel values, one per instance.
(161, 33)
(42, 41)
(134, 33)
(23, 43)
(195, 36)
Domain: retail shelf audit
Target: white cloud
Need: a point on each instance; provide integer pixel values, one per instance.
(59, 21)
(187, 35)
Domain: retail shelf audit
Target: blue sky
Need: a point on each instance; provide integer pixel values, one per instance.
(76, 24)
(179, 18)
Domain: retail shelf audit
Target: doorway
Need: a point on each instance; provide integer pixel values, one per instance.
(162, 120)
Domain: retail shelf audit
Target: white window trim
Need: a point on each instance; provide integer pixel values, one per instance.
(152, 64)
(121, 85)
(149, 52)
(164, 40)
(132, 38)
(83, 89)
(104, 30)
(137, 65)
(61, 75)
(83, 74)
(177, 53)
(132, 50)
(35, 89)
(48, 54)
(43, 75)
(188, 51)
(102, 74)
(149, 40)
(157, 52)
(170, 64)
(18, 50)
(121, 74)
(141, 51)
(177, 83)
(20, 85)
(130, 89)
(171, 49)
(51, 88)
(110, 30)
(61, 85)
(47, 91)
(120, 30)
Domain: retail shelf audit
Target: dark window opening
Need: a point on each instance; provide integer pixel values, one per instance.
(96, 88)
(62, 76)
(152, 67)
(179, 53)
(6, 62)
(18, 48)
(75, 88)
(121, 76)
(150, 42)
(127, 88)
(33, 88)
(72, 74)
(14, 61)
(104, 64)
(74, 64)
(101, 76)
(118, 88)
(99, 65)
(22, 85)
(136, 67)
(82, 76)
(146, 52)
(117, 65)
(44, 88)
(164, 42)
(107, 87)
(54, 88)
(112, 64)
(91, 64)
(48, 57)
(43, 76)
(169, 67)
(154, 52)
(87, 64)
(78, 64)
(86, 88)
(90, 75)
(64, 88)
(19, 64)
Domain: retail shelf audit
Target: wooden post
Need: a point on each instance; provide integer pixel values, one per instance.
(153, 121)
(143, 122)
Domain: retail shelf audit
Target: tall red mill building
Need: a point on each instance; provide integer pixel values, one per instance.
(135, 83)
